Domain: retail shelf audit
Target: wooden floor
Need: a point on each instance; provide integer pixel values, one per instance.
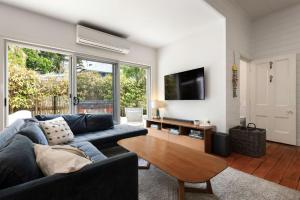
(281, 164)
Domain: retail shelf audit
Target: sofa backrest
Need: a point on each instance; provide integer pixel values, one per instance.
(98, 122)
(83, 123)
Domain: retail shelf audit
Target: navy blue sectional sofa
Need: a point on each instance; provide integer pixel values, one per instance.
(114, 178)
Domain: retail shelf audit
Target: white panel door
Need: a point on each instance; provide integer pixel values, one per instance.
(283, 89)
(260, 94)
(273, 97)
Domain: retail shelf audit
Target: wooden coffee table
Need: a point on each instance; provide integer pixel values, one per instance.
(183, 163)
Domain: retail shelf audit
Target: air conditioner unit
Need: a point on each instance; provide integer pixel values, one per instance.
(98, 39)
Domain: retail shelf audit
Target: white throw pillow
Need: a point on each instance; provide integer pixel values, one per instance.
(57, 131)
(54, 159)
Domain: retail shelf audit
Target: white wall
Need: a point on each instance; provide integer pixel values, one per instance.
(25, 26)
(238, 39)
(238, 32)
(204, 49)
(279, 34)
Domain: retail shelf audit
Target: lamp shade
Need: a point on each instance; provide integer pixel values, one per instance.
(158, 104)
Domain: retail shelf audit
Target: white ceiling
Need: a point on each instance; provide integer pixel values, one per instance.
(151, 22)
(261, 8)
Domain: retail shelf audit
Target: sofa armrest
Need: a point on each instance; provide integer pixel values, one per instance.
(115, 178)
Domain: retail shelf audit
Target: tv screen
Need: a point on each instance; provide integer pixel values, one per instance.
(188, 85)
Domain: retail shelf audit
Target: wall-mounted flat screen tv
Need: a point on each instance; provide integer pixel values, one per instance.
(187, 85)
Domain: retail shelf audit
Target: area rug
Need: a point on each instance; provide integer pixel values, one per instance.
(231, 184)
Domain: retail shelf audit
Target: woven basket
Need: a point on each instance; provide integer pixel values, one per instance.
(250, 141)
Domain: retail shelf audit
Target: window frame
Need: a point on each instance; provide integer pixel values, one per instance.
(72, 76)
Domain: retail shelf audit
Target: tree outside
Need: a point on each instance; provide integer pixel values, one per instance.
(133, 88)
(36, 78)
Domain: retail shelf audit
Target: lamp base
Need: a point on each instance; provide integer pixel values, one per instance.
(157, 113)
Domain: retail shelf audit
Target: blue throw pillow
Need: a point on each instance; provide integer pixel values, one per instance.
(34, 133)
(17, 162)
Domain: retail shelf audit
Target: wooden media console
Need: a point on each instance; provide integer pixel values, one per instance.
(184, 128)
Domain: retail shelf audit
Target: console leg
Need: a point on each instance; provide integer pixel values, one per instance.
(207, 141)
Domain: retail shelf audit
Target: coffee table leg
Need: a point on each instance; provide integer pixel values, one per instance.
(207, 190)
(208, 187)
(180, 190)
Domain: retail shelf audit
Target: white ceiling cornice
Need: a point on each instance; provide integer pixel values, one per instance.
(260, 8)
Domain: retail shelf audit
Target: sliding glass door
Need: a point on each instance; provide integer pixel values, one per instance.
(94, 86)
(38, 82)
(42, 81)
(134, 93)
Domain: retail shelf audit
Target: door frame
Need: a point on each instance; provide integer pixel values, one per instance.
(248, 87)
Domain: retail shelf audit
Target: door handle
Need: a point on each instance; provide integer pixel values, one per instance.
(76, 101)
(271, 65)
(271, 78)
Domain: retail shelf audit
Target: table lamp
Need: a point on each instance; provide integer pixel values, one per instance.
(157, 104)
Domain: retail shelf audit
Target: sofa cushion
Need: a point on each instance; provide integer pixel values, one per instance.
(60, 159)
(17, 162)
(90, 150)
(76, 122)
(57, 131)
(34, 133)
(98, 122)
(29, 122)
(46, 117)
(8, 133)
(103, 139)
